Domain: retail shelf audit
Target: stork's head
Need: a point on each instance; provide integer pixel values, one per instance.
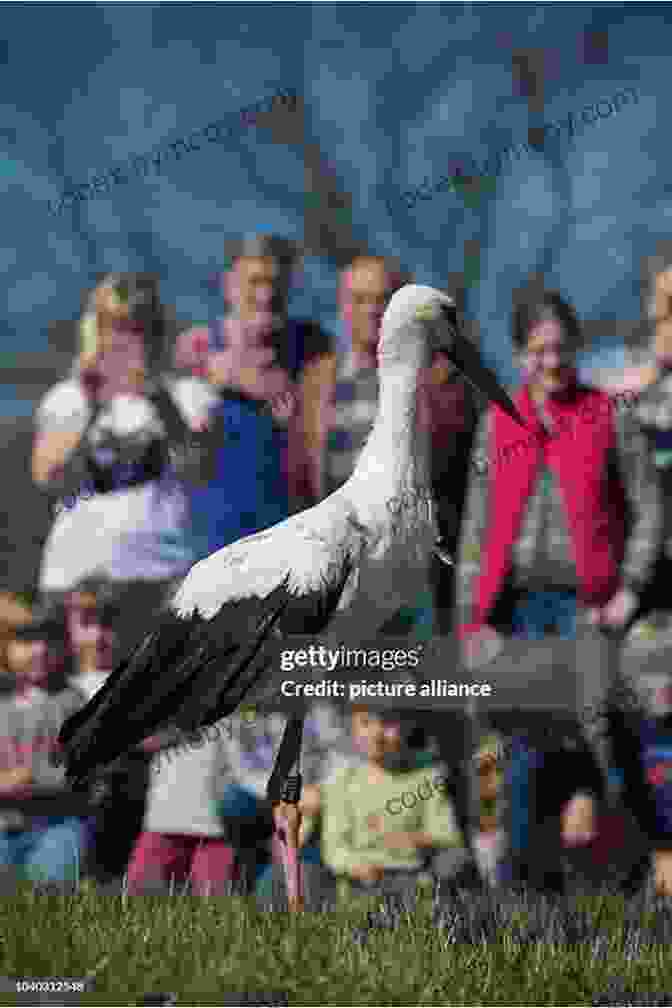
(420, 321)
(409, 325)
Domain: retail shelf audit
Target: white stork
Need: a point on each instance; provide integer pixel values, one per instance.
(351, 555)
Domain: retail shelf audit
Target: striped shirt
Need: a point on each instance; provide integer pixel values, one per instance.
(355, 408)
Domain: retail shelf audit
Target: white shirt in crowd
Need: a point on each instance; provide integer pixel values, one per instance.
(139, 532)
(185, 784)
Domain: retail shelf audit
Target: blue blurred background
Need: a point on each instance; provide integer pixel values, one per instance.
(393, 93)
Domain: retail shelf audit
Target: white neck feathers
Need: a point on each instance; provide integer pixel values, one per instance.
(396, 455)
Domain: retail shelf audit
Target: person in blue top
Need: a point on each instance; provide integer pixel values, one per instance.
(265, 369)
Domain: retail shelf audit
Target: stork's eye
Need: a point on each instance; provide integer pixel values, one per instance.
(428, 312)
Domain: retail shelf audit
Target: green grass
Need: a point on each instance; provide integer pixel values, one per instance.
(201, 948)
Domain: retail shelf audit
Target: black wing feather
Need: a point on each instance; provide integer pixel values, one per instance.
(190, 672)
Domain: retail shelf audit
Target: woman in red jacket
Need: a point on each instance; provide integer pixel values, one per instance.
(545, 525)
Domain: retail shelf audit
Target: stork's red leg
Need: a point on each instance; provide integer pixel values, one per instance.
(285, 850)
(284, 791)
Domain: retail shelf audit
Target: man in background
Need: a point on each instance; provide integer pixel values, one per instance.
(267, 371)
(446, 408)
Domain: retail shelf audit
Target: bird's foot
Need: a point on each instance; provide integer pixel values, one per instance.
(287, 821)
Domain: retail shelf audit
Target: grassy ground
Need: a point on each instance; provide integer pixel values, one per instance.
(200, 949)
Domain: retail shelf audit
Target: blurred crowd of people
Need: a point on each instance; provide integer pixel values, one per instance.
(155, 456)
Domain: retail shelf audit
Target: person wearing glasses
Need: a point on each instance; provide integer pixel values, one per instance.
(544, 545)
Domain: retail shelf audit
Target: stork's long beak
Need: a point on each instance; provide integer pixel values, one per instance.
(467, 360)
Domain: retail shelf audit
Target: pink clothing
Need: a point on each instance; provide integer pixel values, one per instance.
(207, 862)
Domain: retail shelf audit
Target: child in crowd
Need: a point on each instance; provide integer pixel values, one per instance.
(183, 837)
(489, 841)
(92, 618)
(45, 848)
(380, 819)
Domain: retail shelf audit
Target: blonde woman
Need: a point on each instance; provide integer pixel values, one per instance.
(110, 448)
